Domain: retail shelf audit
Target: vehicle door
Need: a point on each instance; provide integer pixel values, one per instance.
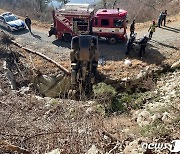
(119, 25)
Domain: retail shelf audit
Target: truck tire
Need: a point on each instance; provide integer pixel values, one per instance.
(67, 37)
(112, 40)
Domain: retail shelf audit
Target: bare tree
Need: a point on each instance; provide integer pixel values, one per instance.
(105, 4)
(114, 3)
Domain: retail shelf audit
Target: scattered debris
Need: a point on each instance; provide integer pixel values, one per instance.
(93, 150)
(56, 151)
(5, 146)
(176, 65)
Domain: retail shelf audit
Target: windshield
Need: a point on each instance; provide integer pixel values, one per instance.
(10, 18)
(118, 23)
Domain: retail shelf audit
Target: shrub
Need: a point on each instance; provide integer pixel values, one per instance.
(104, 91)
(155, 129)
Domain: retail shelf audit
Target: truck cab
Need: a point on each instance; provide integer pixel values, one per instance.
(111, 24)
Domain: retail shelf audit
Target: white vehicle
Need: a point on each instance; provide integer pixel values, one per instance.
(11, 22)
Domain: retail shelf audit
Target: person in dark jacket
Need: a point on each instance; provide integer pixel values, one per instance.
(131, 40)
(132, 27)
(28, 23)
(143, 43)
(52, 31)
(164, 17)
(160, 20)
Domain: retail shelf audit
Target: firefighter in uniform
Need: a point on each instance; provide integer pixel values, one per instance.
(152, 29)
(130, 42)
(132, 27)
(143, 43)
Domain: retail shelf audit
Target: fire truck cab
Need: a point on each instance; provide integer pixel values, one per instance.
(77, 19)
(110, 24)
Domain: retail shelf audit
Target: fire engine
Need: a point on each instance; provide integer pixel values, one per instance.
(78, 19)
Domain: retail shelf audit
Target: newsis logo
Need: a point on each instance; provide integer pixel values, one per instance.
(174, 146)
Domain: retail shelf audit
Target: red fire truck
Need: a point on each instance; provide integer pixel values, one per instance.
(75, 19)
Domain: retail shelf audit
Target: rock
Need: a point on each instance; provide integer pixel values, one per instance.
(176, 65)
(142, 74)
(144, 118)
(90, 103)
(135, 115)
(11, 79)
(167, 118)
(128, 62)
(155, 117)
(39, 98)
(24, 90)
(155, 107)
(93, 150)
(133, 148)
(90, 111)
(1, 92)
(56, 151)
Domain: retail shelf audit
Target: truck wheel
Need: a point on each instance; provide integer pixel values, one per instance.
(67, 37)
(112, 40)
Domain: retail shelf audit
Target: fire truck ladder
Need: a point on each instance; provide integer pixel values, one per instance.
(65, 21)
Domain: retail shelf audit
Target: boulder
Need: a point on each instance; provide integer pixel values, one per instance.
(144, 118)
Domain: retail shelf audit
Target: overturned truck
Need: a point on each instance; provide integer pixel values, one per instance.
(84, 61)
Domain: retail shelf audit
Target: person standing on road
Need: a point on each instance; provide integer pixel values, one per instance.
(160, 20)
(152, 29)
(143, 43)
(130, 42)
(28, 23)
(164, 17)
(132, 27)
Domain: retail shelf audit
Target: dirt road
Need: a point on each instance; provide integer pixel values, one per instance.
(163, 48)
